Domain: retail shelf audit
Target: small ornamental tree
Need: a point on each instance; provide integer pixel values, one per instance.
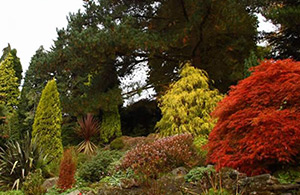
(187, 105)
(9, 91)
(47, 122)
(67, 171)
(258, 122)
(88, 127)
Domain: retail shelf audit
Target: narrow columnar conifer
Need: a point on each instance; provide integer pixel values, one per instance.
(9, 91)
(47, 122)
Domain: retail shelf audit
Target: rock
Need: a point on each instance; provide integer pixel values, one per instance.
(297, 180)
(266, 184)
(49, 183)
(90, 193)
(76, 192)
(169, 184)
(179, 171)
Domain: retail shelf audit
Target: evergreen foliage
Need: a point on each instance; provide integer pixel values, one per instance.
(286, 41)
(47, 122)
(33, 183)
(250, 62)
(9, 91)
(111, 122)
(34, 83)
(258, 122)
(187, 105)
(16, 61)
(67, 171)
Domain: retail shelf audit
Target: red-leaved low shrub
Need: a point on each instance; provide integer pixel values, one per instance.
(161, 156)
(67, 171)
(258, 126)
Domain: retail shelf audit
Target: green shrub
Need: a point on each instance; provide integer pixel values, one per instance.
(33, 183)
(118, 177)
(198, 173)
(213, 191)
(199, 142)
(97, 167)
(12, 192)
(288, 175)
(81, 159)
(117, 144)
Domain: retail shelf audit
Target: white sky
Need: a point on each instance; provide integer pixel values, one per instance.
(28, 24)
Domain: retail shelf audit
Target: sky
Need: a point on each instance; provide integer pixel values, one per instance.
(28, 24)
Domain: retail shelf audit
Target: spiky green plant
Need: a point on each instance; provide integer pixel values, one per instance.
(88, 127)
(17, 160)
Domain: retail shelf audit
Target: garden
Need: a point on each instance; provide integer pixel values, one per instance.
(223, 116)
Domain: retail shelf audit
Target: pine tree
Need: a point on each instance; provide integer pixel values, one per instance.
(187, 105)
(9, 91)
(47, 122)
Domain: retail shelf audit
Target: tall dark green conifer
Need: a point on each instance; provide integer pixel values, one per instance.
(34, 83)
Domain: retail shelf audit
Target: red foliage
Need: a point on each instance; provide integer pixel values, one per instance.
(67, 171)
(160, 156)
(259, 121)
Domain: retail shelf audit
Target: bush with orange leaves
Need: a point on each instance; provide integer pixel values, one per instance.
(67, 171)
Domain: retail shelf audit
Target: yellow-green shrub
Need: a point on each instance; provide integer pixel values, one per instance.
(47, 123)
(187, 105)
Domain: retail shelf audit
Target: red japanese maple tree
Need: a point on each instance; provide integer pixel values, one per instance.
(258, 124)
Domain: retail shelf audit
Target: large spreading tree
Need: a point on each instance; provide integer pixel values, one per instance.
(109, 39)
